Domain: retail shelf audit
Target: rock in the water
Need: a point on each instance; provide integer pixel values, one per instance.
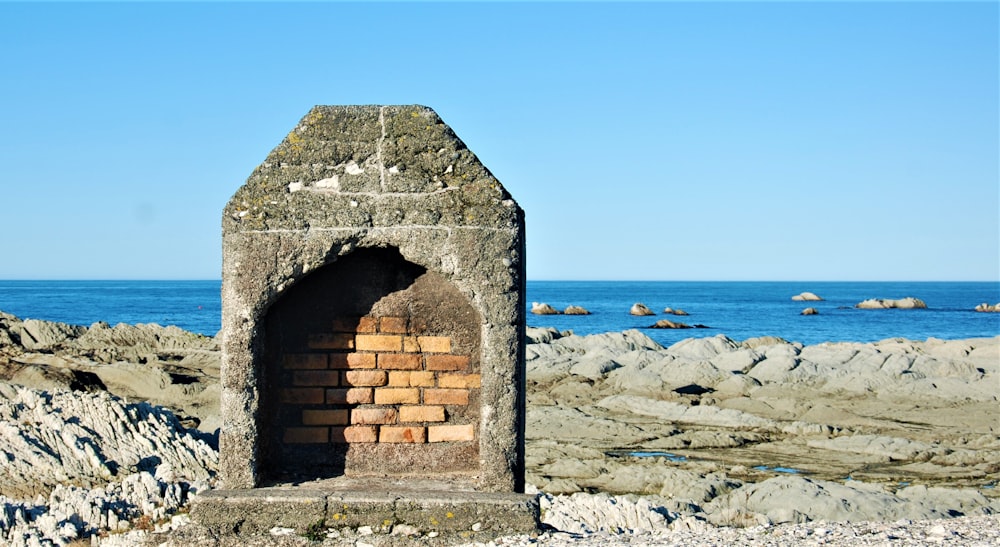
(908, 303)
(640, 309)
(672, 311)
(575, 310)
(541, 308)
(985, 307)
(810, 311)
(668, 324)
(806, 297)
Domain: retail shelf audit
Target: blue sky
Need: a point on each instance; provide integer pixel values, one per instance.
(670, 141)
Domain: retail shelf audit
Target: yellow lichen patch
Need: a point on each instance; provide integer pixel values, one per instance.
(314, 117)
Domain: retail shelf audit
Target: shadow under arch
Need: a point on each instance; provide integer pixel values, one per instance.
(370, 367)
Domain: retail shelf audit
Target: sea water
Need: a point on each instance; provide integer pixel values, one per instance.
(742, 310)
(739, 310)
(195, 306)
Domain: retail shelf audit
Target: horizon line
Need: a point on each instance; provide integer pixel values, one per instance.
(545, 280)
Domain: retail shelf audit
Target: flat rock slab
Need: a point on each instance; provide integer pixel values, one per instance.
(254, 511)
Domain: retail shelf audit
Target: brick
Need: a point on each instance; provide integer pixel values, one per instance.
(325, 417)
(459, 380)
(304, 361)
(373, 416)
(327, 378)
(306, 435)
(399, 361)
(450, 433)
(397, 395)
(410, 344)
(410, 434)
(354, 434)
(447, 362)
(331, 341)
(395, 325)
(352, 360)
(421, 414)
(379, 342)
(364, 378)
(368, 324)
(421, 378)
(399, 378)
(446, 396)
(350, 396)
(434, 344)
(302, 395)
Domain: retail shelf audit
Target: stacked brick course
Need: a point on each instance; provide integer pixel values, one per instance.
(378, 380)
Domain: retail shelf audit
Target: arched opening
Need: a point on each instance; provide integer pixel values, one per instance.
(371, 367)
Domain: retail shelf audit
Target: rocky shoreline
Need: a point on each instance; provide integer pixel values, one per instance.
(745, 442)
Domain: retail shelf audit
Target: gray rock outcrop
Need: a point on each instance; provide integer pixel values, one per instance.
(828, 410)
(986, 307)
(87, 439)
(92, 463)
(806, 297)
(163, 365)
(575, 310)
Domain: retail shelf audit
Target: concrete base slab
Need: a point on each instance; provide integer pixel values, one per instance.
(258, 510)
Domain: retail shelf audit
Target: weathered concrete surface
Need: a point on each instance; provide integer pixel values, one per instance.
(257, 510)
(253, 511)
(356, 177)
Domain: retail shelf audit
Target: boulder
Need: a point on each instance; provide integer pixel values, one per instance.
(672, 311)
(541, 308)
(806, 297)
(908, 303)
(575, 310)
(39, 335)
(810, 311)
(640, 309)
(986, 307)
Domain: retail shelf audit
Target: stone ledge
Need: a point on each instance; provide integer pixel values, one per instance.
(260, 509)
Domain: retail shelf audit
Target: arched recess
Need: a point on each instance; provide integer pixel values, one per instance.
(371, 367)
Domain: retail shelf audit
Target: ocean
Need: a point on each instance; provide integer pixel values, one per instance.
(739, 310)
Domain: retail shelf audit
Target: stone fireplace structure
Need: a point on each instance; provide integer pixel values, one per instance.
(373, 327)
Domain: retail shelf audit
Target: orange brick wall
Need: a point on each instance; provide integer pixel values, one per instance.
(378, 380)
